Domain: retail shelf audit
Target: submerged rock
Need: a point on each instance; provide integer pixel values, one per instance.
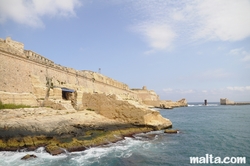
(171, 131)
(28, 156)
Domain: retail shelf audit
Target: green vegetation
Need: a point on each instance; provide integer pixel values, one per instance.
(12, 106)
(89, 109)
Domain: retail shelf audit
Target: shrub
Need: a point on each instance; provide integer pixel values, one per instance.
(89, 109)
(12, 106)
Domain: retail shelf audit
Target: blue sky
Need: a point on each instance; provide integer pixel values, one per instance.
(181, 49)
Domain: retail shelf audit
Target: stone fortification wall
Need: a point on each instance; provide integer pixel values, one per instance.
(19, 47)
(146, 95)
(24, 71)
(225, 101)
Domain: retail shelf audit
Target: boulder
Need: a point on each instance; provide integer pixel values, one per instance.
(28, 156)
(171, 131)
(113, 107)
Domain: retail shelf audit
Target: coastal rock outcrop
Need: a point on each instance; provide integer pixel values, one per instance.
(113, 107)
(57, 130)
(166, 104)
(106, 119)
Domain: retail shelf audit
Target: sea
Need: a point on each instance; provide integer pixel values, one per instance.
(214, 130)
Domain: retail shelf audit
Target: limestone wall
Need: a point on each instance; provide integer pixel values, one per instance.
(14, 44)
(225, 101)
(147, 94)
(24, 71)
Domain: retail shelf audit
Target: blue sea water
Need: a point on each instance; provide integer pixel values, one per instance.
(214, 129)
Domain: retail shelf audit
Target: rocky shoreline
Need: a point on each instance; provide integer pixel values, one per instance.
(74, 131)
(106, 119)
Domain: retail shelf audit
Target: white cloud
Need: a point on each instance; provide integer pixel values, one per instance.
(178, 91)
(215, 73)
(185, 91)
(159, 36)
(226, 20)
(245, 56)
(236, 51)
(239, 88)
(192, 20)
(168, 90)
(29, 12)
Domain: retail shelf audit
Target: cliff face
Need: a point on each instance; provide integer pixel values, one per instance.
(130, 112)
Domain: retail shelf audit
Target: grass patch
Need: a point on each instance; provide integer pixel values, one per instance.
(89, 109)
(12, 106)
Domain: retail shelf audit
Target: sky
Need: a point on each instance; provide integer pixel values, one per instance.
(179, 48)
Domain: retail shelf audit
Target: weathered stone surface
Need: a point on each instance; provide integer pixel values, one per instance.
(18, 98)
(166, 104)
(57, 130)
(112, 107)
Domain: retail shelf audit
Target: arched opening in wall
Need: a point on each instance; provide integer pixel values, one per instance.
(71, 95)
(67, 94)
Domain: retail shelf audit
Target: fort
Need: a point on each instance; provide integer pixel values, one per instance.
(28, 78)
(71, 109)
(225, 101)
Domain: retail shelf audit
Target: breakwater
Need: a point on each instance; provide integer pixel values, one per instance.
(225, 101)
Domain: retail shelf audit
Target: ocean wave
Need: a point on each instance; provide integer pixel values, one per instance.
(121, 149)
(8, 158)
(95, 155)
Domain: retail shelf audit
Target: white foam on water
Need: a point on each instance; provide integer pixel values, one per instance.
(201, 105)
(213, 105)
(8, 158)
(120, 149)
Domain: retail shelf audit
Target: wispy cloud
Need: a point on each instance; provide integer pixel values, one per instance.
(239, 88)
(210, 75)
(179, 91)
(244, 55)
(159, 36)
(30, 12)
(246, 58)
(215, 74)
(168, 90)
(224, 20)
